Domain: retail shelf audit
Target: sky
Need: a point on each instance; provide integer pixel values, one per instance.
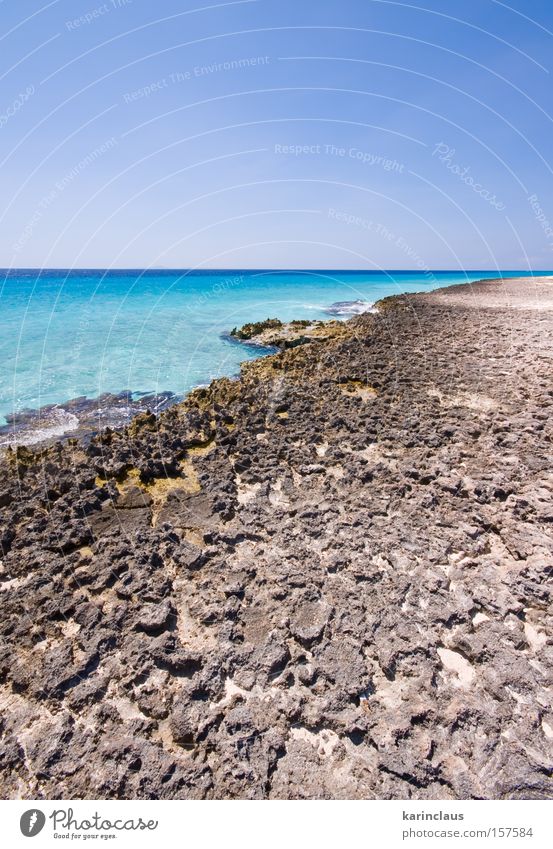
(276, 134)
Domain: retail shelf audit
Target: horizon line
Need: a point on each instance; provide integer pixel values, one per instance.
(272, 269)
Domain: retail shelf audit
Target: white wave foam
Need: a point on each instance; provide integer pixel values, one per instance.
(350, 308)
(60, 422)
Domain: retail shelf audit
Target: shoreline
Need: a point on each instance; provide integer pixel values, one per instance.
(325, 579)
(79, 418)
(84, 417)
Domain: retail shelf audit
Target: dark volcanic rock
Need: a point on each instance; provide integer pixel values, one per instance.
(153, 618)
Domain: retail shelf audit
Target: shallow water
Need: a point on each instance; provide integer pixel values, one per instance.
(85, 333)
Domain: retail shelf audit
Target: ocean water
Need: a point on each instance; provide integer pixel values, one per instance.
(85, 333)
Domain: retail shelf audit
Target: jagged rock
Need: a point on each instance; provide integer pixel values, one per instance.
(328, 579)
(154, 618)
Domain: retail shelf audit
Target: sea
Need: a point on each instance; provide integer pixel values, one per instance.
(114, 342)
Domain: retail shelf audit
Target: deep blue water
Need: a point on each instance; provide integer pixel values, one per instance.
(67, 334)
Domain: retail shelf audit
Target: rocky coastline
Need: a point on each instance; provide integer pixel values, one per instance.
(330, 578)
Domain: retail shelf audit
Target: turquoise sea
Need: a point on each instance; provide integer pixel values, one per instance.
(66, 334)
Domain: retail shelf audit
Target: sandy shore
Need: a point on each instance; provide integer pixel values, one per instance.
(326, 580)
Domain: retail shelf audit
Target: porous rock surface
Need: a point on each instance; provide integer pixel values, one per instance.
(329, 579)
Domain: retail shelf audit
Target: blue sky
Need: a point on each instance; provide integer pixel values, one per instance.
(272, 133)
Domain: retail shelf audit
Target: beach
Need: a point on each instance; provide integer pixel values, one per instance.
(327, 579)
